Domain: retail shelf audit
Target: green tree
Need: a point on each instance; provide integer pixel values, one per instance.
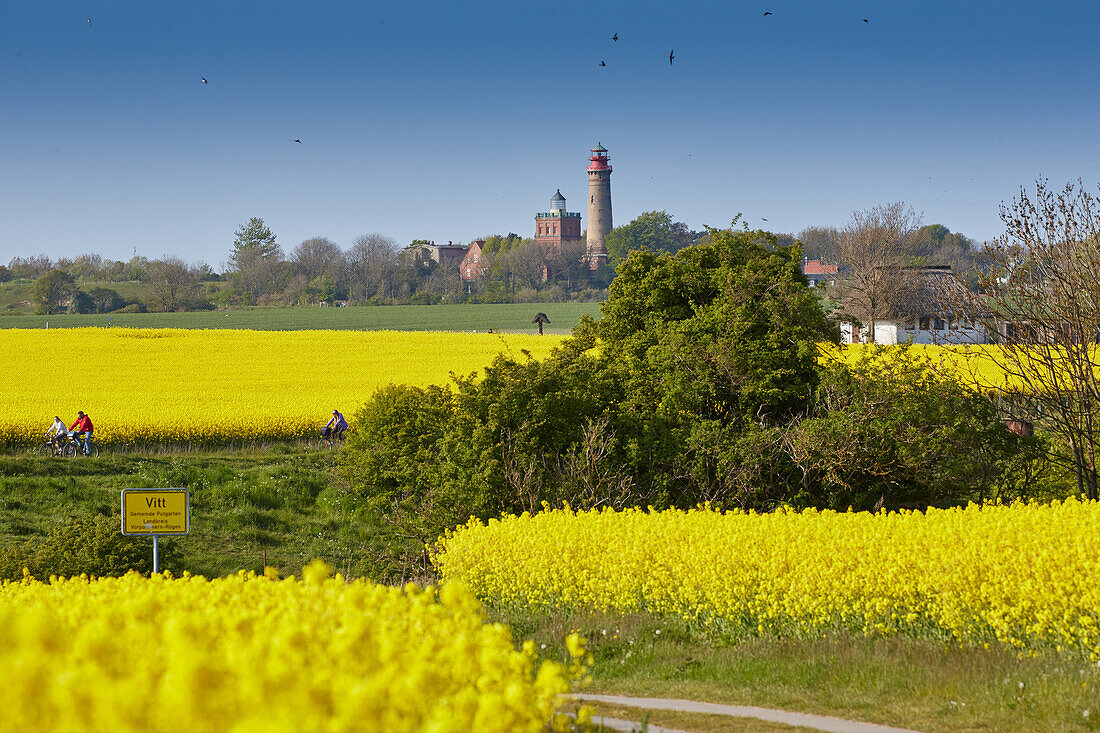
(651, 230)
(53, 292)
(500, 242)
(891, 431)
(702, 356)
(713, 343)
(105, 300)
(255, 259)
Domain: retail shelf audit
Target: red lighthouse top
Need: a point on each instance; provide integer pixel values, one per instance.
(598, 161)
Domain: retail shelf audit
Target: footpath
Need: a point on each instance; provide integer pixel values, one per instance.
(817, 722)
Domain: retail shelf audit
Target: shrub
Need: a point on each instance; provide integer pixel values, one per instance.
(90, 544)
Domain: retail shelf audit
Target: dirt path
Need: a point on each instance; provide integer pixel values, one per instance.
(818, 722)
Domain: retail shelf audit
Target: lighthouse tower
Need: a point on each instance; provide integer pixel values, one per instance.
(599, 208)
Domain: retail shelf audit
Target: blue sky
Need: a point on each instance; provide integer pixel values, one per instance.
(448, 121)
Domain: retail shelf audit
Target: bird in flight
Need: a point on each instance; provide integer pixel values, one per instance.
(670, 57)
(767, 12)
(297, 141)
(603, 63)
(866, 21)
(615, 37)
(763, 219)
(203, 78)
(89, 21)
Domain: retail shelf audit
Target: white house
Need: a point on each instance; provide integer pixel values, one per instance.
(931, 313)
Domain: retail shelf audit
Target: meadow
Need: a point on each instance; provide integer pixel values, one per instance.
(508, 317)
(192, 387)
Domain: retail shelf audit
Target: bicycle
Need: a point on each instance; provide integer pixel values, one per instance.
(51, 448)
(75, 447)
(331, 439)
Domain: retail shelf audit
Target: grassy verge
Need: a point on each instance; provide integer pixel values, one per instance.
(926, 686)
(506, 317)
(284, 502)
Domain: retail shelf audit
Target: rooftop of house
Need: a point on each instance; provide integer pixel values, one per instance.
(814, 267)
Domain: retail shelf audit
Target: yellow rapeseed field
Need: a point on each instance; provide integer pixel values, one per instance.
(179, 385)
(1025, 575)
(978, 366)
(249, 653)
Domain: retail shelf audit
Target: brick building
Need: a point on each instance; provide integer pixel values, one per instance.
(557, 226)
(473, 264)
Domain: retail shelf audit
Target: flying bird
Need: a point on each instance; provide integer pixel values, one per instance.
(670, 57)
(866, 21)
(603, 63)
(763, 219)
(615, 37)
(767, 12)
(297, 141)
(203, 79)
(89, 21)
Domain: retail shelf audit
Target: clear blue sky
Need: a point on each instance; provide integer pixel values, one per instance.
(446, 121)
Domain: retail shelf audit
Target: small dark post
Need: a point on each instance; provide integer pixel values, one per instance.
(540, 319)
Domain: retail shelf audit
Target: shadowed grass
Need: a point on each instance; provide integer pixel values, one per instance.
(283, 502)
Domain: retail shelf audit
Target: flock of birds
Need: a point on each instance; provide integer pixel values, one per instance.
(614, 38)
(672, 53)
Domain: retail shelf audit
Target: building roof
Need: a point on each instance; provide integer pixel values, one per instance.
(557, 196)
(599, 148)
(814, 267)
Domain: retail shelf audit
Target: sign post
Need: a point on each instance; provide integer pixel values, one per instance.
(156, 512)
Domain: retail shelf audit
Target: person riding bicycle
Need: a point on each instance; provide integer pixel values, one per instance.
(83, 429)
(335, 428)
(59, 433)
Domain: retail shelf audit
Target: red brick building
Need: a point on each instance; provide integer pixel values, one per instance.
(557, 226)
(473, 265)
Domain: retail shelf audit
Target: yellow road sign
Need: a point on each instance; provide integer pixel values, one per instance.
(156, 511)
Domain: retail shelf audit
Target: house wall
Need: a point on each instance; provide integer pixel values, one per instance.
(888, 333)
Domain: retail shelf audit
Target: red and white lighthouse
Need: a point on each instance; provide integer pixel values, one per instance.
(599, 208)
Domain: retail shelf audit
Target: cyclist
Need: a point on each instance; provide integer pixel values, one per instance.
(59, 433)
(335, 428)
(83, 429)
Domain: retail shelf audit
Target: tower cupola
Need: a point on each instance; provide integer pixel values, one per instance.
(557, 202)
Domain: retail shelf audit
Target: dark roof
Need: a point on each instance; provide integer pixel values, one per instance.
(557, 196)
(599, 148)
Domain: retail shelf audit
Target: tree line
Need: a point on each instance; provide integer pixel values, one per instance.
(375, 270)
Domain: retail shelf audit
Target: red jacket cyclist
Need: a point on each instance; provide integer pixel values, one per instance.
(83, 428)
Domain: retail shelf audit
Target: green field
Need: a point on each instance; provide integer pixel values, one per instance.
(506, 317)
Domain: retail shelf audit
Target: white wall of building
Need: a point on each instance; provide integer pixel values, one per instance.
(889, 333)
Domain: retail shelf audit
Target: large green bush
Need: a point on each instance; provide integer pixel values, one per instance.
(700, 383)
